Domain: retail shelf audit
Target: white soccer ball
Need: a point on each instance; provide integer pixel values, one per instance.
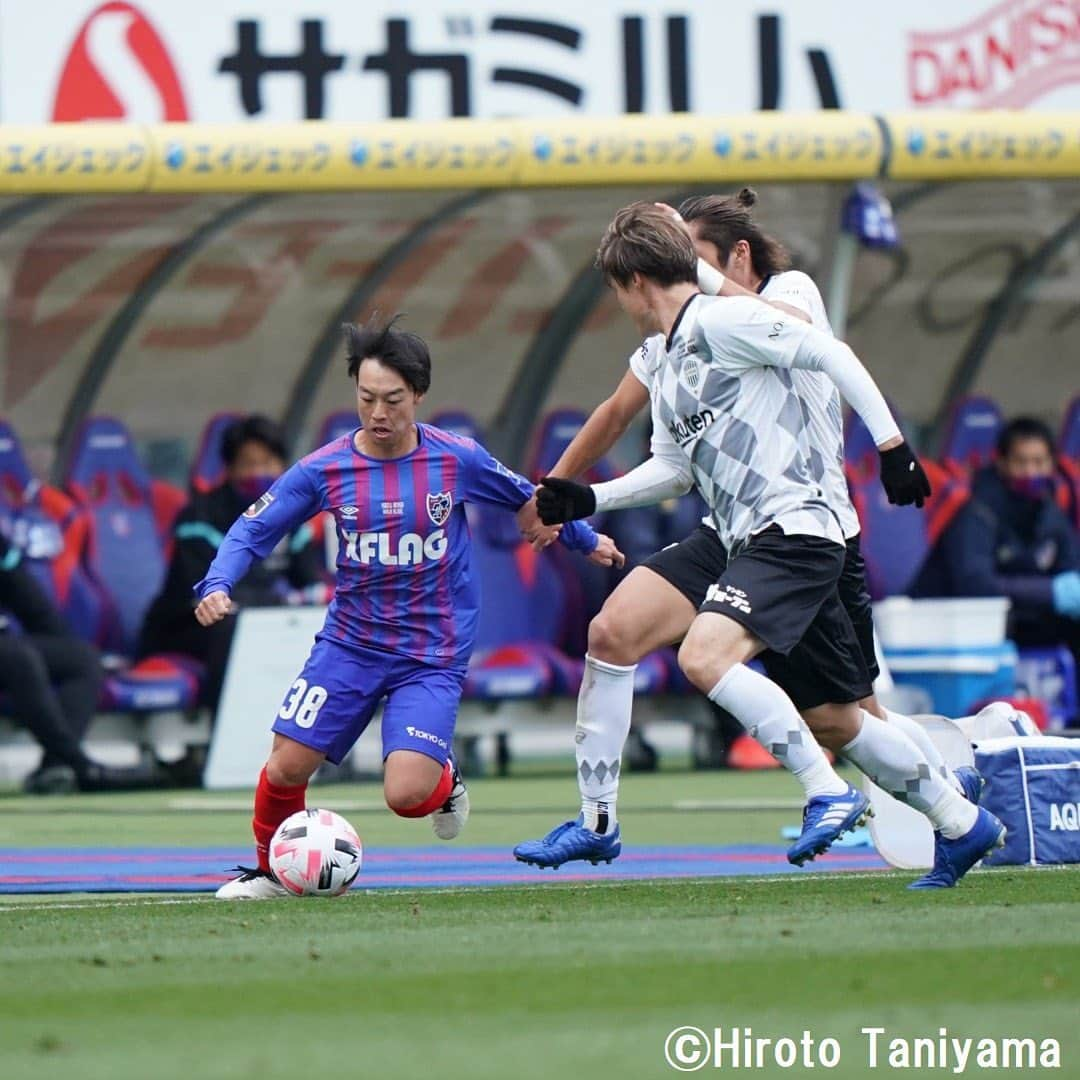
(316, 853)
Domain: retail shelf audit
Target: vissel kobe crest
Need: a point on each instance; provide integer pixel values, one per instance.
(439, 506)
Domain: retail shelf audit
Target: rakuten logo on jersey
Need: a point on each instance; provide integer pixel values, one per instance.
(1015, 53)
(119, 69)
(410, 550)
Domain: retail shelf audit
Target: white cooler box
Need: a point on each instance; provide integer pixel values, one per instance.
(1033, 786)
(954, 649)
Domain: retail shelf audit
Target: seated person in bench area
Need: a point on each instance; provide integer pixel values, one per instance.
(49, 683)
(253, 450)
(1012, 539)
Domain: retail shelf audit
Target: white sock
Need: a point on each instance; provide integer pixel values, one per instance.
(921, 738)
(771, 719)
(898, 766)
(605, 702)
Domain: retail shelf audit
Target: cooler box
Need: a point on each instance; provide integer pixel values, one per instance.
(1033, 786)
(954, 649)
(956, 678)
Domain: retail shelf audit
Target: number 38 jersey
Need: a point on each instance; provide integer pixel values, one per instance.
(405, 580)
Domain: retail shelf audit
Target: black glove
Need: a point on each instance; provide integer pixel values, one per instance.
(563, 500)
(902, 476)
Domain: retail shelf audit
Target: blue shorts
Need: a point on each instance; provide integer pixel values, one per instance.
(333, 700)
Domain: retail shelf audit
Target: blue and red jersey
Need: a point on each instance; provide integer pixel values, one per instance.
(405, 581)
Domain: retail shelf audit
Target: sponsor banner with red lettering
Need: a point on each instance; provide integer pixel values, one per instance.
(224, 61)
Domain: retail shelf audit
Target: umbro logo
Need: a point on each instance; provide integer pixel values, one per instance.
(349, 511)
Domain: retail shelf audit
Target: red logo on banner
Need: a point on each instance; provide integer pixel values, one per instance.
(119, 69)
(1015, 53)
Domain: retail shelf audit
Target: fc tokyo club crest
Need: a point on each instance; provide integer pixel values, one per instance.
(439, 506)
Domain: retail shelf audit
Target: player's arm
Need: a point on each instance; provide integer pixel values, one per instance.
(665, 475)
(604, 428)
(902, 476)
(491, 482)
(741, 335)
(293, 499)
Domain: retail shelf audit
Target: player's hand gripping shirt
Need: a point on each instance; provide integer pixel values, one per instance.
(824, 417)
(724, 393)
(405, 582)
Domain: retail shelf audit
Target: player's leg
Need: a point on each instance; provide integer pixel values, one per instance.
(420, 777)
(652, 606)
(826, 677)
(324, 712)
(855, 598)
(767, 597)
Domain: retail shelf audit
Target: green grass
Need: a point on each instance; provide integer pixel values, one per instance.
(556, 980)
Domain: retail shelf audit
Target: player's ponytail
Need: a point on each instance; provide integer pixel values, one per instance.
(724, 220)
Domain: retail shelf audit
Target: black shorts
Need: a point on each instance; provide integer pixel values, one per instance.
(784, 590)
(855, 597)
(692, 565)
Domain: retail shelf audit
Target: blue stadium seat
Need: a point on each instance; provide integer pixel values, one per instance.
(1069, 439)
(895, 539)
(523, 618)
(208, 470)
(52, 534)
(459, 422)
(971, 435)
(336, 424)
(106, 477)
(553, 435)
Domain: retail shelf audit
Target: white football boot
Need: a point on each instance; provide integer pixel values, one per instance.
(450, 818)
(252, 884)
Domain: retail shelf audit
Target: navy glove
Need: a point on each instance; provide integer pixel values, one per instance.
(563, 500)
(1066, 590)
(902, 476)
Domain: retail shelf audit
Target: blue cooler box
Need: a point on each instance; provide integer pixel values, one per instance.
(1033, 786)
(956, 678)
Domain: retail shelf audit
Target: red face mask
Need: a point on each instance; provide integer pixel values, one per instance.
(1035, 488)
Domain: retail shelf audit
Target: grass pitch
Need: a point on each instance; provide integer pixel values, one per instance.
(556, 980)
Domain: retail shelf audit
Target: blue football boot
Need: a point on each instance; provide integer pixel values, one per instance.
(971, 783)
(569, 842)
(825, 819)
(954, 858)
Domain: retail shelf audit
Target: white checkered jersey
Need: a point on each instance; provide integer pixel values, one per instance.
(823, 413)
(824, 416)
(724, 393)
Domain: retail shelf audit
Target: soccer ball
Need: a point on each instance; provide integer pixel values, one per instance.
(316, 853)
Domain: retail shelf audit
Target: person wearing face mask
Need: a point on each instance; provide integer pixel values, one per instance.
(254, 452)
(1013, 540)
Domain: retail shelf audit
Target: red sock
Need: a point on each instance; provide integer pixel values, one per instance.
(435, 799)
(273, 805)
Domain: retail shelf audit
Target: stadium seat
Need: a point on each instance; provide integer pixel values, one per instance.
(1068, 492)
(336, 424)
(970, 435)
(106, 477)
(523, 617)
(1069, 439)
(895, 539)
(52, 533)
(553, 435)
(459, 422)
(208, 470)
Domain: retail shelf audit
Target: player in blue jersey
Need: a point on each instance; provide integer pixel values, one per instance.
(402, 624)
